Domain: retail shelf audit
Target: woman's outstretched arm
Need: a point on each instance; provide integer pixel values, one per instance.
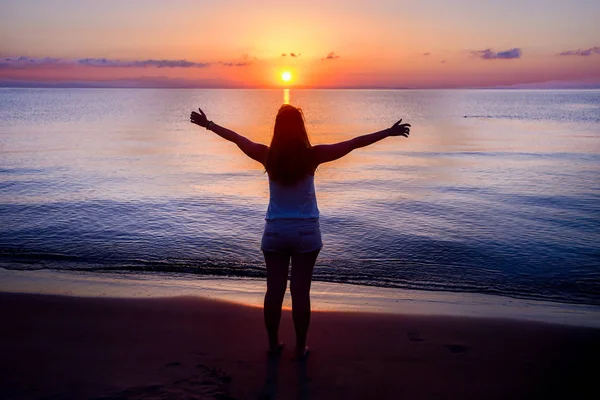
(255, 151)
(330, 152)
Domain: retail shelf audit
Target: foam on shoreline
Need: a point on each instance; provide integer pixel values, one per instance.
(326, 296)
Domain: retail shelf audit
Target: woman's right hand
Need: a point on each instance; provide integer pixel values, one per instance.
(199, 119)
(399, 129)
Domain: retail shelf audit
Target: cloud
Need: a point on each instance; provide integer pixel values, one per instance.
(283, 54)
(8, 62)
(104, 62)
(488, 54)
(236, 64)
(25, 62)
(427, 54)
(582, 53)
(330, 56)
(137, 82)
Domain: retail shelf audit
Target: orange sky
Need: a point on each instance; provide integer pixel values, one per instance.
(431, 43)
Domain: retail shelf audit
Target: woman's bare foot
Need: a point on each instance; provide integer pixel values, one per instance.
(276, 349)
(301, 354)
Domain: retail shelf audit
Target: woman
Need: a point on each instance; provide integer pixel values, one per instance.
(292, 221)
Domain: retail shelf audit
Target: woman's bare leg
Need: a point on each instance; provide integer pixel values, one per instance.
(277, 274)
(302, 269)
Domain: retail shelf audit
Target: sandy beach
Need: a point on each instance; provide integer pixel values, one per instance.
(63, 347)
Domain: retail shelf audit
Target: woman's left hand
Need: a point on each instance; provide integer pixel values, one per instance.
(399, 129)
(199, 119)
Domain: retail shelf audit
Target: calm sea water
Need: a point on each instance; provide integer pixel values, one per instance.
(495, 191)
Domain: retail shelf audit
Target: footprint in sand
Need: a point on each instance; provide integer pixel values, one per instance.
(173, 364)
(215, 373)
(456, 348)
(414, 336)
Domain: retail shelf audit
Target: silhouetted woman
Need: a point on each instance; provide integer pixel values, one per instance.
(292, 221)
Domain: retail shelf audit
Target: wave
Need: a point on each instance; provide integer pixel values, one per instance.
(408, 275)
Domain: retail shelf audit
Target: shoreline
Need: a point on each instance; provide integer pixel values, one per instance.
(325, 296)
(191, 347)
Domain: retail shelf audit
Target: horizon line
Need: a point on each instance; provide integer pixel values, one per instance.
(183, 84)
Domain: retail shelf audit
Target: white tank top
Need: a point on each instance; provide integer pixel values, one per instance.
(293, 201)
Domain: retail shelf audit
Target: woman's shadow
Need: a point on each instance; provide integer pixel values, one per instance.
(271, 386)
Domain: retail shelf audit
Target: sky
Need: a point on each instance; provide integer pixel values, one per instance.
(323, 44)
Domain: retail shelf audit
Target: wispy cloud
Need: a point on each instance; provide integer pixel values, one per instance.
(489, 54)
(330, 56)
(236, 64)
(8, 62)
(24, 62)
(427, 54)
(104, 62)
(580, 52)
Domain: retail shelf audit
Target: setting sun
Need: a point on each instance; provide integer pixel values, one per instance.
(286, 76)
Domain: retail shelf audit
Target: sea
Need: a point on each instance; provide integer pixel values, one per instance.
(494, 192)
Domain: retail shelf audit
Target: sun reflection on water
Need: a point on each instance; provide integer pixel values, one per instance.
(286, 96)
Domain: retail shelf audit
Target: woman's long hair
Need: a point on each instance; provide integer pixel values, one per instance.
(290, 154)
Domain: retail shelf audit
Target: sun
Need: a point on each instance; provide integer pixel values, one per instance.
(286, 76)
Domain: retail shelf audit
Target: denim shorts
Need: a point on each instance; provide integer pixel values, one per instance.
(292, 236)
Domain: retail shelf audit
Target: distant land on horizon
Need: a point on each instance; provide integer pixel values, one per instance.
(170, 83)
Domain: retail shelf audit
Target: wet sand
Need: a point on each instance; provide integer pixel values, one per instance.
(64, 347)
